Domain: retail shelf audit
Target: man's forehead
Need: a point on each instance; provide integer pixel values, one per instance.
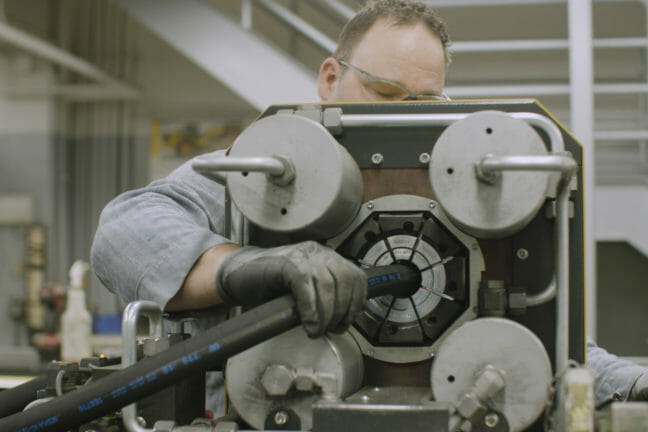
(386, 34)
(402, 53)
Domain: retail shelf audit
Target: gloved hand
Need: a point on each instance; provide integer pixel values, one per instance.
(328, 289)
(639, 391)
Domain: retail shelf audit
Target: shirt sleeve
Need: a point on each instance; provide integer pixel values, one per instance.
(148, 239)
(613, 377)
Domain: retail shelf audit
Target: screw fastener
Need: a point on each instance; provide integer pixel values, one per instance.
(491, 420)
(424, 158)
(522, 254)
(281, 417)
(377, 158)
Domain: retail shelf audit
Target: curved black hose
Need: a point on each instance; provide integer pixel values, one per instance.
(15, 399)
(400, 280)
(198, 353)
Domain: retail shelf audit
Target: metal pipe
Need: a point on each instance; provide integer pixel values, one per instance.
(211, 163)
(338, 7)
(556, 143)
(399, 120)
(634, 135)
(294, 21)
(132, 312)
(246, 14)
(561, 269)
(581, 102)
(490, 164)
(540, 90)
(61, 57)
(543, 296)
(507, 90)
(542, 44)
(559, 284)
(621, 43)
(471, 3)
(620, 88)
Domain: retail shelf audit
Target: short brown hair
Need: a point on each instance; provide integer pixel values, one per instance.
(400, 13)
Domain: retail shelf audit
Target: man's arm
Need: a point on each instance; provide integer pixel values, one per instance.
(162, 243)
(149, 240)
(615, 379)
(199, 288)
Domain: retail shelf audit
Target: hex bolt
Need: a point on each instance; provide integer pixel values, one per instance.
(281, 417)
(163, 425)
(277, 380)
(424, 158)
(522, 254)
(370, 205)
(377, 158)
(432, 204)
(491, 420)
(304, 379)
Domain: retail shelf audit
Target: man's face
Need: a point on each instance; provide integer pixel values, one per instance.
(411, 56)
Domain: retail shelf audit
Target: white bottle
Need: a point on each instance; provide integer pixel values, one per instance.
(76, 322)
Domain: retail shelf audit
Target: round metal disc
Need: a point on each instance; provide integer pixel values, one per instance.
(509, 347)
(482, 209)
(326, 192)
(335, 356)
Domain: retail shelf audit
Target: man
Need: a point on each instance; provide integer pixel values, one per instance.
(162, 242)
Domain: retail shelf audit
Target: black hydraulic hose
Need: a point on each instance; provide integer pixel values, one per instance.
(400, 280)
(155, 373)
(15, 399)
(198, 353)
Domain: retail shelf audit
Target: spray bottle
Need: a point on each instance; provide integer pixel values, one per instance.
(76, 322)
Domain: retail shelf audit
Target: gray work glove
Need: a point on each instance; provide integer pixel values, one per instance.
(639, 391)
(328, 289)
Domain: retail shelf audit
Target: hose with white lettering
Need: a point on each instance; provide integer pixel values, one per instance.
(202, 352)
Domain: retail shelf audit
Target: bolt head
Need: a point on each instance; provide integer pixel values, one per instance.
(281, 417)
(377, 158)
(164, 425)
(470, 408)
(277, 380)
(304, 379)
(370, 205)
(491, 420)
(424, 158)
(522, 254)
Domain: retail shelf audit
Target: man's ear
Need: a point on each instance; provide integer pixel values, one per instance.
(328, 79)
